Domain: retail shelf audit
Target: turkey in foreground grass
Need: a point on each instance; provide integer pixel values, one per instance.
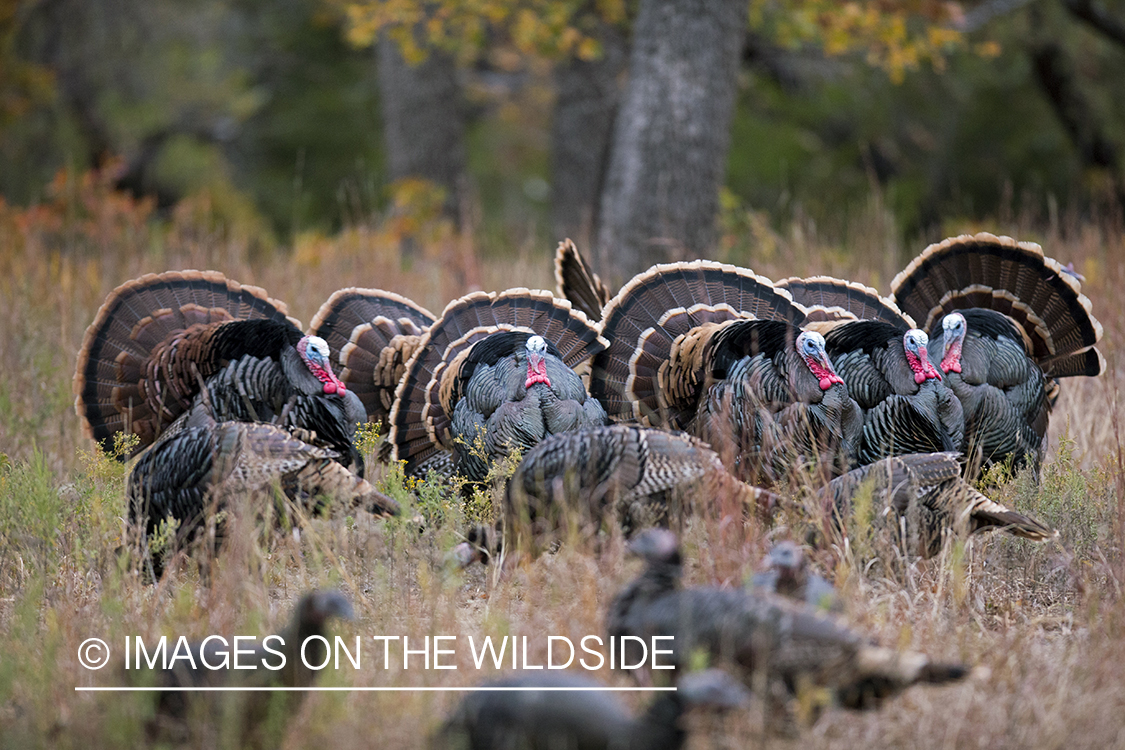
(1005, 322)
(165, 342)
(243, 718)
(628, 475)
(919, 498)
(494, 375)
(577, 719)
(200, 465)
(763, 638)
(787, 573)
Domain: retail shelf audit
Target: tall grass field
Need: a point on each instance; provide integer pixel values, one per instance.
(1044, 623)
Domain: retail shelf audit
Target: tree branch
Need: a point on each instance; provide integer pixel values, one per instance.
(1098, 18)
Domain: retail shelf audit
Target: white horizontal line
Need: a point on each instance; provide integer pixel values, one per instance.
(484, 689)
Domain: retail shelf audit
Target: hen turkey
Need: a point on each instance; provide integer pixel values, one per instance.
(199, 465)
(625, 474)
(717, 351)
(919, 498)
(554, 711)
(494, 375)
(1005, 322)
(240, 717)
(161, 340)
(758, 635)
(787, 573)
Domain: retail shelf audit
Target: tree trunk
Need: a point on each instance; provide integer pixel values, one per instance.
(587, 94)
(672, 133)
(423, 120)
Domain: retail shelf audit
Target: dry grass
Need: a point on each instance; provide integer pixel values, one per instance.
(1047, 621)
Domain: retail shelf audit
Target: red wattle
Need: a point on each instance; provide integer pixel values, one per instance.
(825, 384)
(919, 377)
(537, 374)
(329, 387)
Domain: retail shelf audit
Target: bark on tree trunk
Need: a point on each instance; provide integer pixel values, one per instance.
(586, 99)
(423, 120)
(671, 134)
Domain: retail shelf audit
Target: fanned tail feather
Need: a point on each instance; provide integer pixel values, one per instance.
(577, 282)
(372, 334)
(1013, 278)
(827, 298)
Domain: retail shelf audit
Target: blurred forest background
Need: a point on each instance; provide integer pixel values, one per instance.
(655, 128)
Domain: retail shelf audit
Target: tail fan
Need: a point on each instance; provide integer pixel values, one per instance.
(372, 334)
(829, 299)
(1013, 278)
(577, 282)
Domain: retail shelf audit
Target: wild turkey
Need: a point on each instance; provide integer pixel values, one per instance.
(199, 465)
(875, 346)
(577, 282)
(495, 368)
(924, 497)
(906, 406)
(631, 475)
(787, 573)
(567, 715)
(158, 338)
(1005, 322)
(717, 351)
(762, 637)
(239, 718)
(372, 335)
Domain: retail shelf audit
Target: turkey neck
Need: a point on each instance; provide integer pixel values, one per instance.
(659, 578)
(298, 373)
(658, 728)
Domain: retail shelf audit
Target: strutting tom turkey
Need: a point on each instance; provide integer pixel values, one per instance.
(719, 352)
(1005, 322)
(165, 342)
(494, 373)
